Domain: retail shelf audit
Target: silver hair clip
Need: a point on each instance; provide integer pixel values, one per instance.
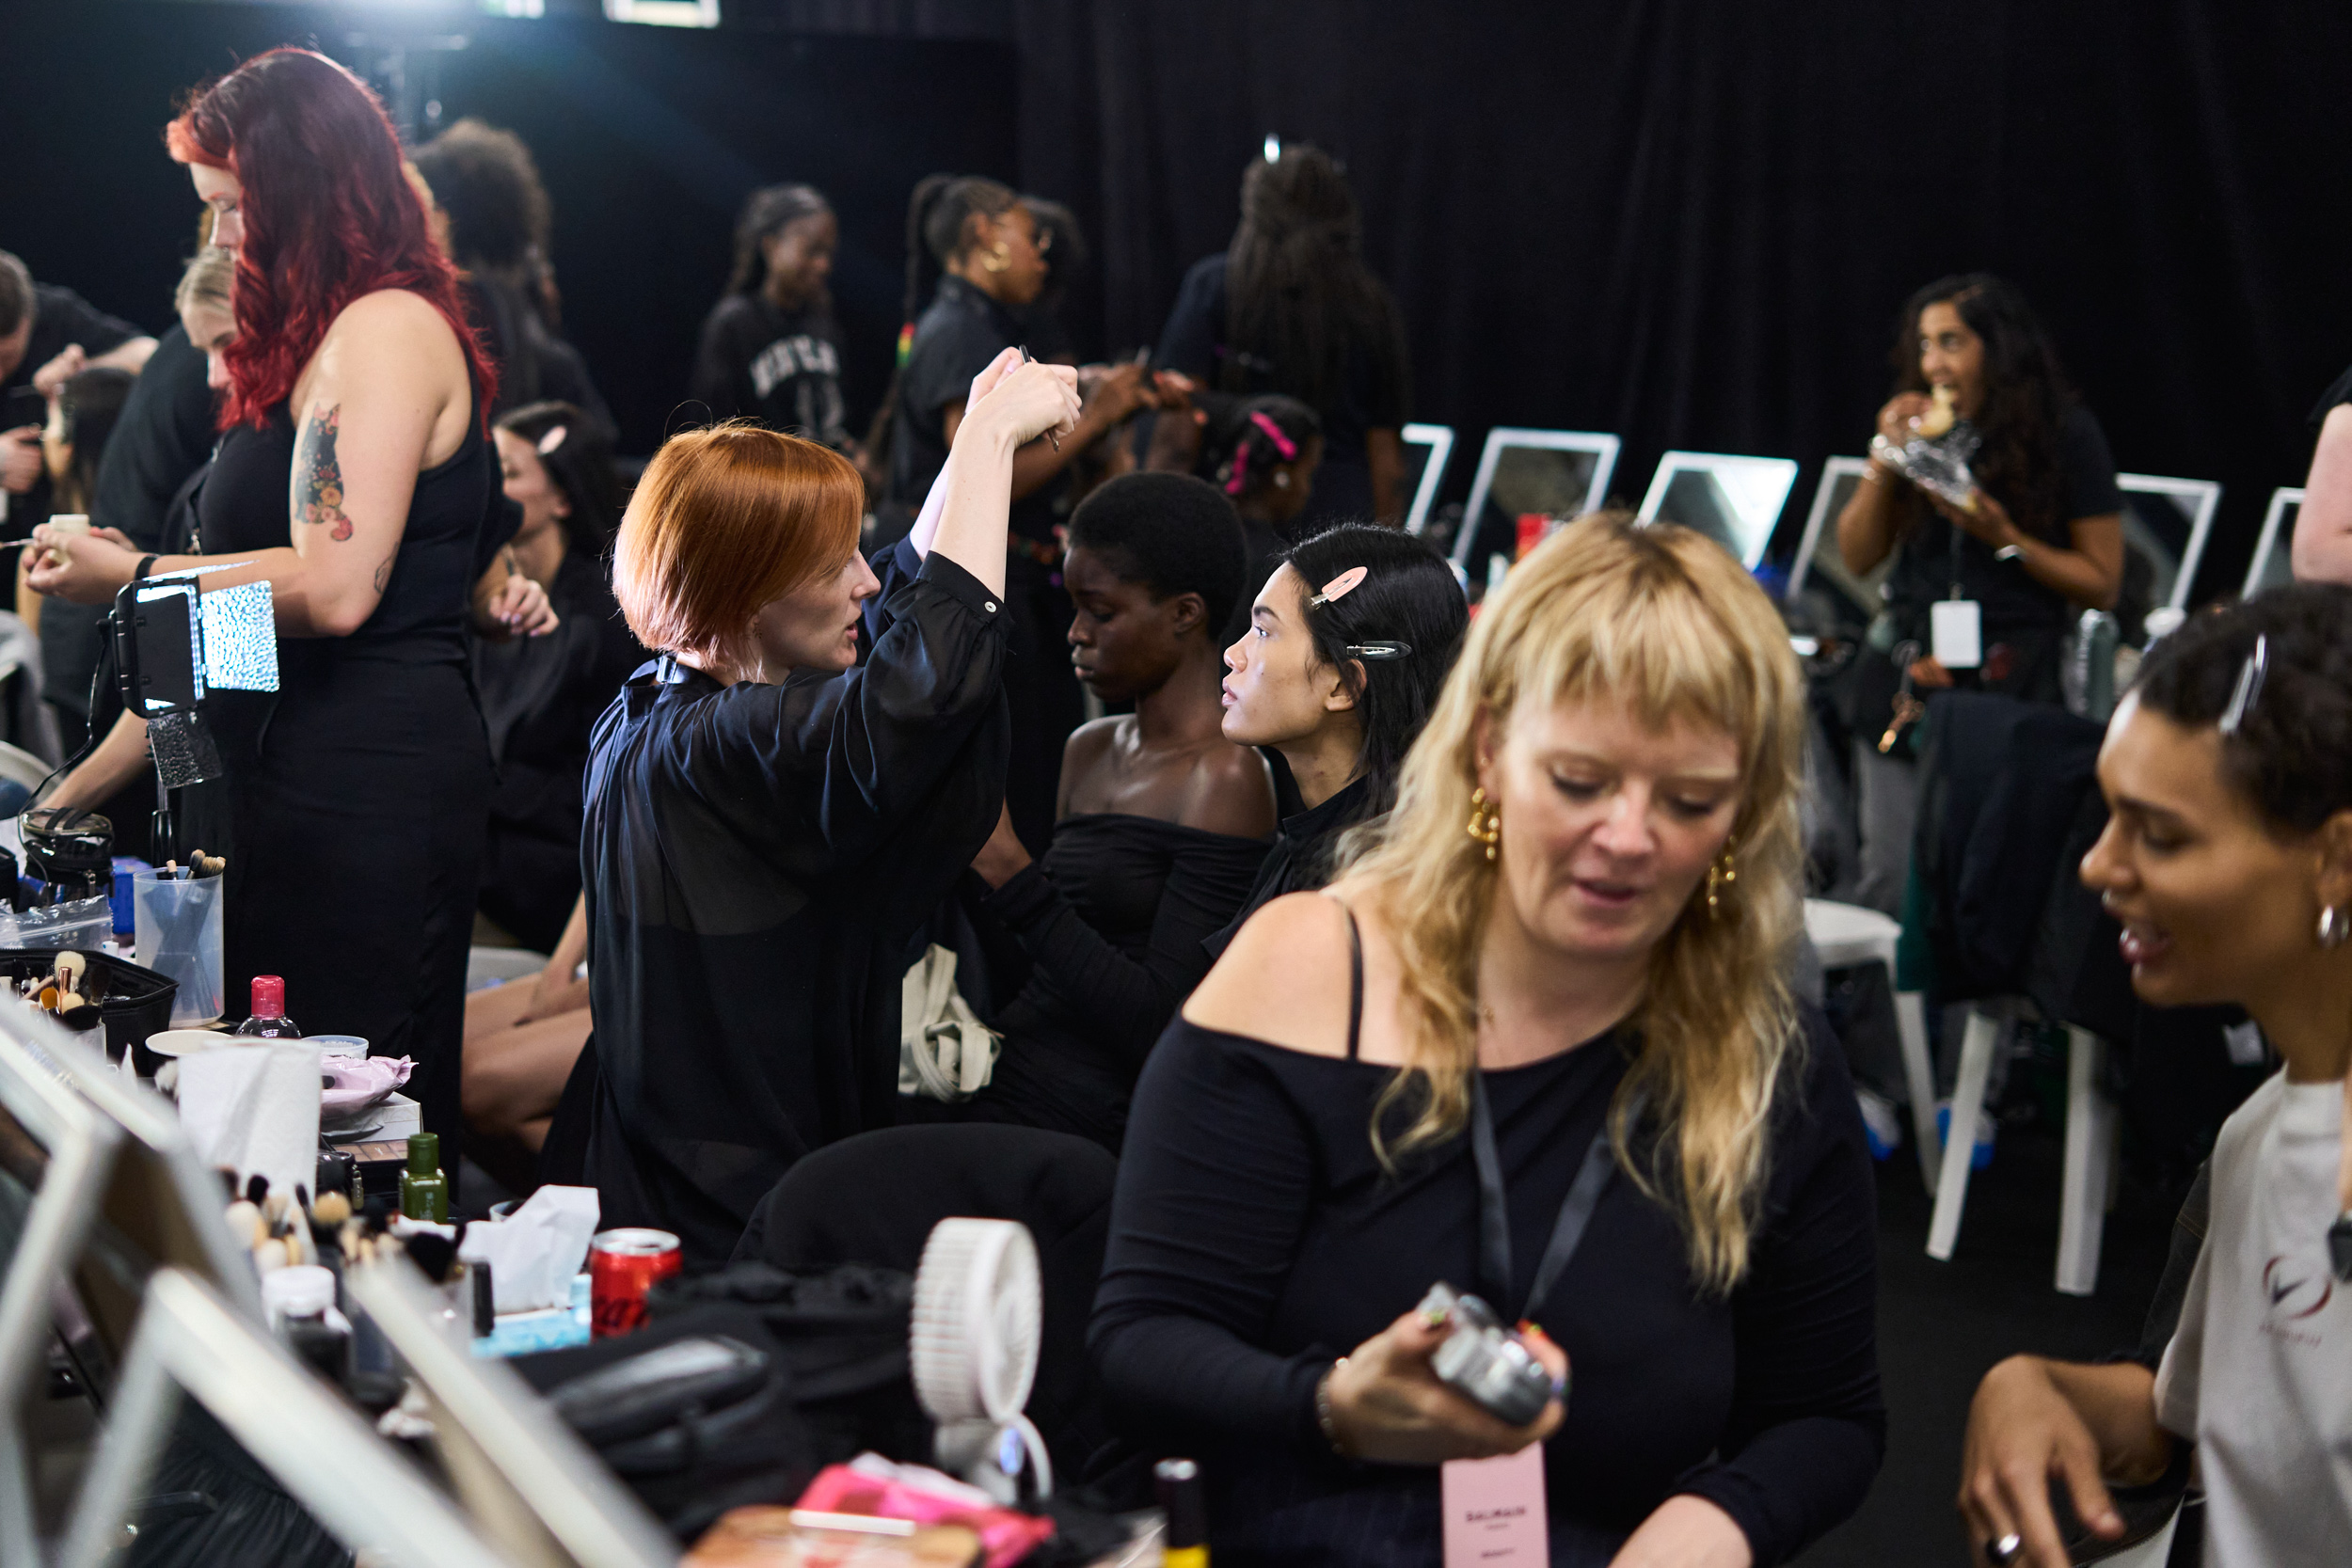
(1379, 650)
(2250, 686)
(1340, 587)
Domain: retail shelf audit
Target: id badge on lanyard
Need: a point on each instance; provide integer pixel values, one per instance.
(1955, 625)
(1494, 1508)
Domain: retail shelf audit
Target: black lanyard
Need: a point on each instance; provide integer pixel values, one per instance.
(1494, 1218)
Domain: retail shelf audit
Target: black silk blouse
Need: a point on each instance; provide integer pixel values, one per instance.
(759, 860)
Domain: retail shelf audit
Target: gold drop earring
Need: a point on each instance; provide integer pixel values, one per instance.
(1485, 822)
(999, 258)
(1719, 876)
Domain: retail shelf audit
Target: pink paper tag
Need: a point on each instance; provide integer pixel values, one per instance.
(1494, 1512)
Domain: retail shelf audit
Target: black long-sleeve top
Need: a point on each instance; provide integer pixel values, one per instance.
(1113, 917)
(1304, 848)
(757, 859)
(1255, 1237)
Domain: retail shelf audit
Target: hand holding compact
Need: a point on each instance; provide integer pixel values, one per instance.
(1387, 1406)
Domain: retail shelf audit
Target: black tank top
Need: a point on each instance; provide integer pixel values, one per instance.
(421, 616)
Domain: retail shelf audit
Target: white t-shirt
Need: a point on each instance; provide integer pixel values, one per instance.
(2259, 1371)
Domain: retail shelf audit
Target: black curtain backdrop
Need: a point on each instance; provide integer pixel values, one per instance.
(1682, 221)
(648, 138)
(1691, 222)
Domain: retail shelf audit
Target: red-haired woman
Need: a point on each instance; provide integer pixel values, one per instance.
(761, 850)
(354, 478)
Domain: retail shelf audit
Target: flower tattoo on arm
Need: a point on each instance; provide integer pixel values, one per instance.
(318, 478)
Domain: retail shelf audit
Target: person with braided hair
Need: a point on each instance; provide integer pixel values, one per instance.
(1289, 307)
(1263, 452)
(771, 348)
(975, 254)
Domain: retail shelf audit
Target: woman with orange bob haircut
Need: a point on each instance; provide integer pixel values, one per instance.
(777, 802)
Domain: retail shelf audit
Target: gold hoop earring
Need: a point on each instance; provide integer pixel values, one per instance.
(1720, 877)
(1485, 822)
(999, 258)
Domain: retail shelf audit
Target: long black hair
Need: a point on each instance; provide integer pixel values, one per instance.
(1297, 293)
(2025, 394)
(767, 211)
(89, 407)
(576, 450)
(1408, 597)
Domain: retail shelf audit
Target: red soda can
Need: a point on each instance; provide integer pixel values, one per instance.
(1533, 528)
(622, 1266)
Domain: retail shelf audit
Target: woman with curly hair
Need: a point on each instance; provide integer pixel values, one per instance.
(1551, 1059)
(2041, 539)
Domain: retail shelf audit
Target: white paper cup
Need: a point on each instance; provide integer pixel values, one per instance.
(187, 1042)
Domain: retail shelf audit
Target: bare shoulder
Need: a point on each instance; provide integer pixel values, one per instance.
(1091, 739)
(1284, 980)
(1236, 791)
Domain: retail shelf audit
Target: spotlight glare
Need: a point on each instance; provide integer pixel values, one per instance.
(664, 13)
(1273, 147)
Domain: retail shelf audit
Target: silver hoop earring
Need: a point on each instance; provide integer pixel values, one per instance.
(2334, 925)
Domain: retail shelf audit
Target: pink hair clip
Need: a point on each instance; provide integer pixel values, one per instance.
(1340, 587)
(1283, 444)
(552, 440)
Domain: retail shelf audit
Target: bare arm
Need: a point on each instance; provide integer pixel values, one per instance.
(1117, 397)
(1866, 526)
(557, 990)
(1384, 452)
(130, 355)
(2090, 574)
(117, 760)
(2323, 528)
(386, 397)
(2034, 1422)
(1011, 404)
(1685, 1531)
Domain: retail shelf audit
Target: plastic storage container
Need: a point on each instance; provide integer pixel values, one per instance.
(84, 924)
(179, 937)
(133, 1002)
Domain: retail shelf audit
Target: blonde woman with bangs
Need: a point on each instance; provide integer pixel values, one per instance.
(1557, 970)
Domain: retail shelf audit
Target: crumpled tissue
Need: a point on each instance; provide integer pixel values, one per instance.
(255, 1110)
(534, 1252)
(356, 1083)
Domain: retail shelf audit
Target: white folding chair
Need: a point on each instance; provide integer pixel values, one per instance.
(1846, 935)
(1439, 438)
(2273, 563)
(2088, 1188)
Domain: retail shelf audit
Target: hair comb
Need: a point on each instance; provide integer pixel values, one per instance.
(553, 438)
(1341, 587)
(2250, 686)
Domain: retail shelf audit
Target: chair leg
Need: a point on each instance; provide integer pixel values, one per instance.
(1910, 1025)
(1960, 1143)
(2091, 1127)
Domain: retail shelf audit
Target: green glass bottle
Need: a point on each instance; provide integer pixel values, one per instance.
(423, 1190)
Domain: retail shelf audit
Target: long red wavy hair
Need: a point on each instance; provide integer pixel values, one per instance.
(329, 216)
